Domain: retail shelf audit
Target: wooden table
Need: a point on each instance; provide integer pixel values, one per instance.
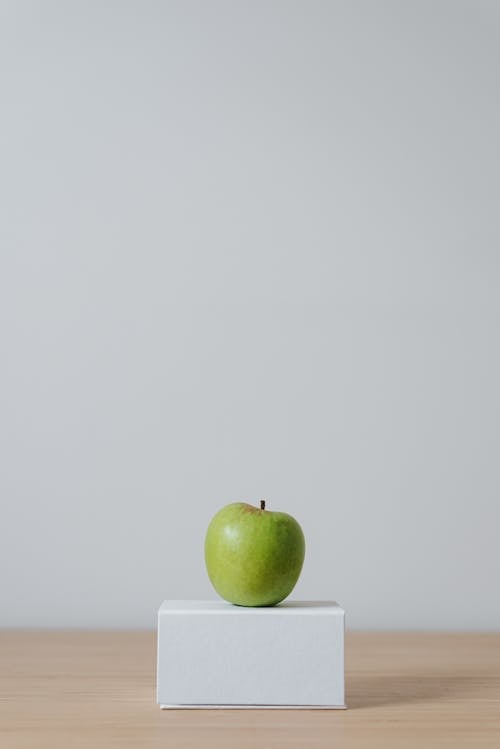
(96, 689)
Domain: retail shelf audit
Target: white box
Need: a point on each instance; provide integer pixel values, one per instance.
(214, 654)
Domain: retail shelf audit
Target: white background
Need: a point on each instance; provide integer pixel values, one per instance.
(249, 250)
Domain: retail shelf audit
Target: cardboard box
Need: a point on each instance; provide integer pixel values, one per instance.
(213, 654)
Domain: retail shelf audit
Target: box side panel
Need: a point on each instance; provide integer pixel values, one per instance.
(250, 660)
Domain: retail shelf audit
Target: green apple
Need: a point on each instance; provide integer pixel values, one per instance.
(253, 556)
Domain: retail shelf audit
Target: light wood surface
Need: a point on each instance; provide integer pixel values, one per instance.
(96, 689)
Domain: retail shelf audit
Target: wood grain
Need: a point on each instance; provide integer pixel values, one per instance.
(96, 689)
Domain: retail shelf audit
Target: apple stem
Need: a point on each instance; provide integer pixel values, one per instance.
(262, 504)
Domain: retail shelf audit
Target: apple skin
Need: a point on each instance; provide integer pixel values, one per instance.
(253, 556)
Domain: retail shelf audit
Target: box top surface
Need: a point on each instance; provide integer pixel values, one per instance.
(292, 608)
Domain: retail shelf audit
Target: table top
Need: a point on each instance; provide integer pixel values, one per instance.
(97, 689)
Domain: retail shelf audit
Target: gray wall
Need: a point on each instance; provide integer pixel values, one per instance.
(250, 249)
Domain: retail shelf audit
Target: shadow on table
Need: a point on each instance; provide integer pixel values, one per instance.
(370, 691)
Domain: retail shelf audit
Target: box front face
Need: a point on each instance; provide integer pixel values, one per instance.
(251, 659)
